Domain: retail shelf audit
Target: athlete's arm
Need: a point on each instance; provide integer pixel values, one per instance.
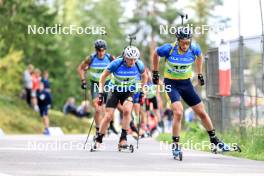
(144, 79)
(155, 62)
(199, 64)
(83, 67)
(102, 80)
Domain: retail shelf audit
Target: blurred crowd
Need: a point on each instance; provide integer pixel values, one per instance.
(34, 79)
(34, 83)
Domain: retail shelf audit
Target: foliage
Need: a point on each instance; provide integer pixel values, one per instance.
(17, 118)
(11, 69)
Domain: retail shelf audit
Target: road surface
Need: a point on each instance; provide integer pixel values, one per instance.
(40, 155)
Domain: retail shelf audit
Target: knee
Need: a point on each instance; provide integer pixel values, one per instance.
(177, 114)
(108, 118)
(126, 112)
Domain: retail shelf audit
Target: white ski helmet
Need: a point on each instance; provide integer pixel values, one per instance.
(131, 52)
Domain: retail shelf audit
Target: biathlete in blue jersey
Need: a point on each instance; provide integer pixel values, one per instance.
(123, 85)
(179, 58)
(95, 64)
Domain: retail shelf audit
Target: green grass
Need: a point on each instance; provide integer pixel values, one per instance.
(17, 118)
(251, 143)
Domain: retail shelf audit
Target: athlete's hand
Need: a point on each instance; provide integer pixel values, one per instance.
(84, 84)
(155, 77)
(201, 79)
(100, 99)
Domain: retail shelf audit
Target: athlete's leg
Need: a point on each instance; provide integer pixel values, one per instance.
(206, 120)
(111, 104)
(177, 110)
(127, 109)
(106, 120)
(98, 114)
(157, 113)
(128, 105)
(190, 96)
(98, 109)
(147, 107)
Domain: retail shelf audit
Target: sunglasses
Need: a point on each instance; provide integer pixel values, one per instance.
(182, 42)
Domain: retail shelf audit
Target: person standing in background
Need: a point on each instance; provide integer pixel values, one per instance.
(36, 80)
(44, 103)
(28, 83)
(45, 81)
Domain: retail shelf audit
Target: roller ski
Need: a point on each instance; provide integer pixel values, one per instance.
(176, 152)
(222, 148)
(122, 146)
(218, 146)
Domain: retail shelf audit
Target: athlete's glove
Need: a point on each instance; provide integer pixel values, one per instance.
(100, 99)
(201, 79)
(141, 98)
(84, 84)
(155, 77)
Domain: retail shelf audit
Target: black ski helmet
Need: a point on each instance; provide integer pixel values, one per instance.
(100, 44)
(184, 33)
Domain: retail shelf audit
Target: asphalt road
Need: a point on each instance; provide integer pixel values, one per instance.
(41, 155)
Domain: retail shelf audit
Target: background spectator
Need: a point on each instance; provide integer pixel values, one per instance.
(45, 81)
(44, 103)
(28, 83)
(36, 80)
(83, 109)
(70, 107)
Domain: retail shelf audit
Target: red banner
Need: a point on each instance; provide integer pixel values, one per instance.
(224, 69)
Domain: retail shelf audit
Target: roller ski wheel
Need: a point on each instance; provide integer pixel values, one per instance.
(126, 147)
(177, 154)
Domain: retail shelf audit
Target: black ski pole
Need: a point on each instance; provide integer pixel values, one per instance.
(139, 123)
(85, 99)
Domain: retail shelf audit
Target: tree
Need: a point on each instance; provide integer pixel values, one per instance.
(147, 18)
(203, 10)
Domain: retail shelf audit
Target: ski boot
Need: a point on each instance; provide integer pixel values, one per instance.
(97, 141)
(217, 146)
